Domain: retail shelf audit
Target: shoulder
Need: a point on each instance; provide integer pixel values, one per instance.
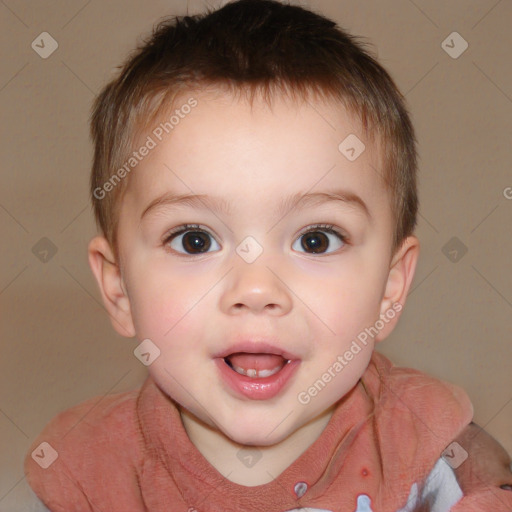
(413, 418)
(94, 417)
(408, 385)
(75, 445)
(434, 409)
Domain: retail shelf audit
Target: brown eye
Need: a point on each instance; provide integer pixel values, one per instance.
(188, 241)
(316, 241)
(320, 240)
(196, 241)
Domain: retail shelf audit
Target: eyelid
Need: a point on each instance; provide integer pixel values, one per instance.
(330, 228)
(178, 230)
(189, 227)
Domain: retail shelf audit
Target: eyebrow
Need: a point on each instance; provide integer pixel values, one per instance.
(284, 207)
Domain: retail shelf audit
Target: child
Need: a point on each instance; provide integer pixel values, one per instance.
(254, 180)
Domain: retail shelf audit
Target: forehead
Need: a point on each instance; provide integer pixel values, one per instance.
(227, 147)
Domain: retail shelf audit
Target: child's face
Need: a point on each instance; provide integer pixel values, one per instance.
(196, 306)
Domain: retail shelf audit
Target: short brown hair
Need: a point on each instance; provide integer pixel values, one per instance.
(257, 46)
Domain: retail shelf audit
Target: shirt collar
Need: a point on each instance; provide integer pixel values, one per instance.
(310, 474)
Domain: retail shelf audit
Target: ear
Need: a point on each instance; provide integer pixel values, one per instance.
(112, 288)
(401, 274)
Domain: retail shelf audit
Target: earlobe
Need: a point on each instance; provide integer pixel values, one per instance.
(401, 274)
(112, 288)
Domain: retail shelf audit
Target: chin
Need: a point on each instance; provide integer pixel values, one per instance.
(250, 434)
(257, 439)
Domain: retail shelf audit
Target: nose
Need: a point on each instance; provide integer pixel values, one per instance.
(256, 287)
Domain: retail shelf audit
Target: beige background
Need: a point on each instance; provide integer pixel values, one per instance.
(57, 345)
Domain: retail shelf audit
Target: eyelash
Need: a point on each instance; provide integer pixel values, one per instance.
(328, 228)
(180, 230)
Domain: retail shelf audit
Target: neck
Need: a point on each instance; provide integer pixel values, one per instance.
(251, 465)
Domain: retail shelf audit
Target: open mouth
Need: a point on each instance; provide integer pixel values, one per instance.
(256, 366)
(256, 371)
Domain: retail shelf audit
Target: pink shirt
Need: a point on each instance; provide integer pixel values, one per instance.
(130, 452)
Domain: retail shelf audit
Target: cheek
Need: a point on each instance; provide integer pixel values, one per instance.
(347, 300)
(171, 308)
(158, 302)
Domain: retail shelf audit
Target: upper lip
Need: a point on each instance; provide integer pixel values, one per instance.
(255, 347)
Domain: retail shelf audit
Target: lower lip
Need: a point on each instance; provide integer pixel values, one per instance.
(257, 389)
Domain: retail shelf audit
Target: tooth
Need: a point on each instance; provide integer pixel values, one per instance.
(252, 373)
(239, 370)
(268, 373)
